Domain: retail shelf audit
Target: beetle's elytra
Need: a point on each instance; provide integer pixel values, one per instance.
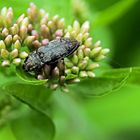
(50, 54)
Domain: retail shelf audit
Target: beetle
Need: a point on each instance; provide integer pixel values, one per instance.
(50, 54)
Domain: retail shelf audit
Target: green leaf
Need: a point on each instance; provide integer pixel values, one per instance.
(33, 126)
(26, 77)
(112, 13)
(110, 81)
(35, 96)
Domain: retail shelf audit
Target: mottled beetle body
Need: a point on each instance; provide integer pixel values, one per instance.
(50, 54)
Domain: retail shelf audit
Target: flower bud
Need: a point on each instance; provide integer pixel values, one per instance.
(91, 74)
(75, 70)
(67, 71)
(80, 54)
(87, 51)
(92, 66)
(36, 44)
(20, 19)
(85, 27)
(17, 45)
(54, 86)
(95, 51)
(97, 44)
(74, 59)
(61, 23)
(47, 69)
(5, 32)
(45, 42)
(68, 63)
(83, 74)
(23, 31)
(88, 42)
(2, 44)
(45, 32)
(17, 61)
(83, 64)
(14, 30)
(55, 72)
(4, 53)
(40, 77)
(15, 38)
(104, 51)
(5, 63)
(23, 55)
(79, 37)
(25, 22)
(8, 40)
(14, 53)
(99, 58)
(76, 26)
(29, 40)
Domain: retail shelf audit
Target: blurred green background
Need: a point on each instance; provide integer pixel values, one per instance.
(115, 116)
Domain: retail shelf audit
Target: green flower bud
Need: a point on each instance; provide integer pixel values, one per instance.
(25, 22)
(14, 53)
(51, 25)
(3, 11)
(99, 58)
(75, 70)
(95, 52)
(68, 63)
(17, 61)
(85, 36)
(8, 40)
(88, 42)
(2, 44)
(29, 40)
(97, 44)
(79, 37)
(87, 51)
(20, 19)
(15, 38)
(92, 66)
(65, 89)
(104, 51)
(5, 32)
(5, 63)
(91, 74)
(85, 27)
(76, 26)
(23, 31)
(17, 45)
(74, 59)
(69, 29)
(4, 53)
(67, 35)
(67, 71)
(61, 23)
(14, 30)
(44, 20)
(23, 55)
(73, 34)
(80, 54)
(83, 74)
(83, 64)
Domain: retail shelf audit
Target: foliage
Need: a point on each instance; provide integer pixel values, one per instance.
(29, 113)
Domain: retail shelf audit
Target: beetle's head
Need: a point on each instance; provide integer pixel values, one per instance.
(31, 63)
(72, 45)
